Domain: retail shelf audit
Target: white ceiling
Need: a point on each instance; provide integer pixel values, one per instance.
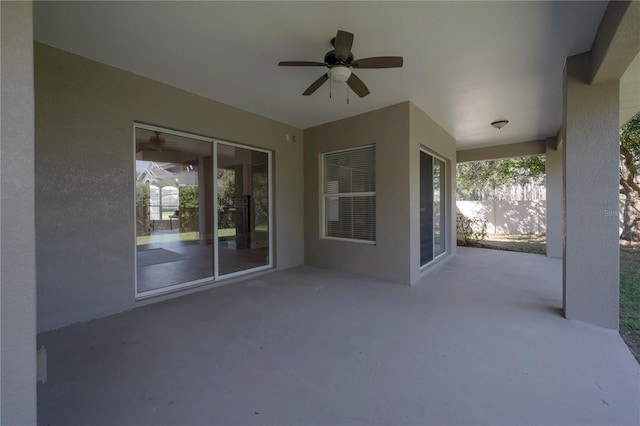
(466, 64)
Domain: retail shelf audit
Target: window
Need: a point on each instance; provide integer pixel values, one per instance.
(432, 207)
(349, 197)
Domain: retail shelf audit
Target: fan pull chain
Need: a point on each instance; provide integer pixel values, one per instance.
(329, 88)
(347, 94)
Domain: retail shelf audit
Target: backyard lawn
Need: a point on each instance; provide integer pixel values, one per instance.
(630, 297)
(629, 277)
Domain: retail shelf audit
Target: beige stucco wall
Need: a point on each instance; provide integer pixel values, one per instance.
(425, 133)
(591, 197)
(554, 219)
(17, 250)
(521, 149)
(388, 129)
(85, 171)
(398, 132)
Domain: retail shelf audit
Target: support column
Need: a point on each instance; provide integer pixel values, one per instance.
(554, 165)
(591, 246)
(17, 226)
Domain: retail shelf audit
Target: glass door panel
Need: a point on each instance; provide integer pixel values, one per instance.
(243, 208)
(438, 207)
(174, 210)
(432, 207)
(426, 208)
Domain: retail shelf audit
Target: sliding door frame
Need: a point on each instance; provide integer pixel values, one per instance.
(216, 258)
(444, 218)
(216, 276)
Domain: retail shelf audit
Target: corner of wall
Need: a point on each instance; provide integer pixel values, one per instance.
(17, 272)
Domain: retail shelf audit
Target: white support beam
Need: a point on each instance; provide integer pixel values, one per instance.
(617, 42)
(496, 152)
(591, 156)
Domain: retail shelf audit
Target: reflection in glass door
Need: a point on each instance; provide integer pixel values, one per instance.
(432, 207)
(243, 208)
(174, 238)
(202, 210)
(438, 207)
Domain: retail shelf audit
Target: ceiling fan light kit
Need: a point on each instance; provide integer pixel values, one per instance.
(340, 62)
(339, 74)
(500, 124)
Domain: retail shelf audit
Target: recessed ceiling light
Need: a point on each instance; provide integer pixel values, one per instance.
(500, 124)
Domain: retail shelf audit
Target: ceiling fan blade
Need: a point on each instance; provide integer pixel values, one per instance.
(357, 86)
(316, 84)
(378, 62)
(148, 146)
(343, 43)
(301, 64)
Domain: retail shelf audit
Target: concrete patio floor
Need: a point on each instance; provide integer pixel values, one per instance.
(479, 341)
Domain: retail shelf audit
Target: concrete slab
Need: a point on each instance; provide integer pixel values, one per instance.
(480, 341)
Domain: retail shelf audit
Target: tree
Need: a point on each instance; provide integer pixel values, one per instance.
(629, 179)
(226, 182)
(188, 208)
(483, 180)
(142, 209)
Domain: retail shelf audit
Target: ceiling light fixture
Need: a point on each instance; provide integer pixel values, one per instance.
(500, 124)
(339, 74)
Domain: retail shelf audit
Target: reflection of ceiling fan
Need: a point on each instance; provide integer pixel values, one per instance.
(340, 63)
(155, 143)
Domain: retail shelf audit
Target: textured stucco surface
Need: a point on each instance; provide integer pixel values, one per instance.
(591, 156)
(17, 235)
(554, 166)
(617, 42)
(426, 133)
(388, 129)
(398, 132)
(465, 346)
(85, 170)
(496, 152)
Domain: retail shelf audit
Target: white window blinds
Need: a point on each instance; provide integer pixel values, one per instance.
(349, 197)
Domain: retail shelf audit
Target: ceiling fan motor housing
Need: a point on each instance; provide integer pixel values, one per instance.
(331, 60)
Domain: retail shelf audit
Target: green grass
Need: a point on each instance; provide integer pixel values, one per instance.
(182, 236)
(630, 297)
(629, 278)
(227, 232)
(166, 238)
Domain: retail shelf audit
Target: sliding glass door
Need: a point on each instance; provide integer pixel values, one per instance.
(432, 207)
(243, 208)
(203, 209)
(439, 205)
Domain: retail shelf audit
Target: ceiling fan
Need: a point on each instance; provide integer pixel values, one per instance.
(340, 62)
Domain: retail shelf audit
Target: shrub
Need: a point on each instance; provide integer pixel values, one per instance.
(470, 228)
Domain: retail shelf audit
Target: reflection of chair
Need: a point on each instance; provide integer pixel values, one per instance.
(243, 238)
(175, 215)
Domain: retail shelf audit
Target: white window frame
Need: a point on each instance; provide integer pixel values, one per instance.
(324, 196)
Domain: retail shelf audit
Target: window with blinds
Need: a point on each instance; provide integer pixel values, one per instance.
(349, 194)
